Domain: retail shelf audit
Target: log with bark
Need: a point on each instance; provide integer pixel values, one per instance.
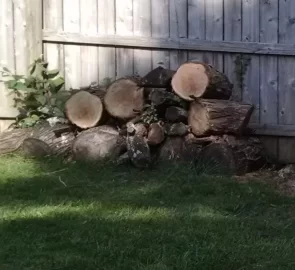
(176, 129)
(99, 143)
(195, 79)
(84, 109)
(212, 116)
(32, 147)
(59, 138)
(161, 97)
(156, 134)
(176, 114)
(124, 99)
(235, 155)
(158, 78)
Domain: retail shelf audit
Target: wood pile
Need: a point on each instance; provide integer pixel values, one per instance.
(184, 115)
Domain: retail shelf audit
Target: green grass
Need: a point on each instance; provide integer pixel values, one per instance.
(78, 216)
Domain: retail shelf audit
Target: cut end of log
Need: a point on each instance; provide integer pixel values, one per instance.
(84, 109)
(156, 134)
(190, 80)
(124, 99)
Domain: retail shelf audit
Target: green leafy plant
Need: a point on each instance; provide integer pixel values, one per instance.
(39, 95)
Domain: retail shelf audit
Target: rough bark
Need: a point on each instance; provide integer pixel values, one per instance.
(176, 129)
(195, 79)
(172, 149)
(32, 147)
(58, 140)
(236, 155)
(161, 97)
(138, 151)
(213, 117)
(176, 114)
(156, 134)
(124, 99)
(158, 77)
(84, 109)
(103, 142)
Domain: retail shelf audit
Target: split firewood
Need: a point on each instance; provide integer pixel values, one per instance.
(176, 129)
(138, 151)
(124, 99)
(158, 77)
(156, 134)
(235, 155)
(84, 109)
(103, 142)
(176, 114)
(213, 117)
(195, 79)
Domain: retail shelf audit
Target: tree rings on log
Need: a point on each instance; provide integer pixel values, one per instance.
(195, 79)
(84, 109)
(211, 116)
(124, 99)
(156, 134)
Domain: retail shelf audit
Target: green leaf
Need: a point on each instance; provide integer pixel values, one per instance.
(52, 73)
(44, 110)
(32, 70)
(57, 112)
(6, 69)
(17, 77)
(41, 99)
(11, 84)
(20, 86)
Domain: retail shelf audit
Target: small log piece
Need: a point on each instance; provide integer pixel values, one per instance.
(176, 114)
(158, 77)
(176, 129)
(156, 134)
(84, 109)
(103, 142)
(124, 99)
(195, 79)
(213, 117)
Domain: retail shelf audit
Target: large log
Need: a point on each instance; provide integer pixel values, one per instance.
(100, 143)
(211, 116)
(124, 99)
(176, 129)
(84, 109)
(161, 97)
(235, 155)
(156, 134)
(59, 138)
(175, 114)
(195, 79)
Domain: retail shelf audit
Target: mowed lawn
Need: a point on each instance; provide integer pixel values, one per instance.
(100, 216)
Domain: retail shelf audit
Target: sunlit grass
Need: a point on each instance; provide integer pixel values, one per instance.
(101, 216)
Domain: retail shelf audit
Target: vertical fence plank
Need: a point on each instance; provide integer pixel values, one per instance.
(53, 20)
(160, 29)
(287, 78)
(124, 26)
(214, 31)
(142, 27)
(250, 32)
(7, 58)
(89, 54)
(178, 29)
(232, 32)
(269, 71)
(196, 25)
(71, 10)
(107, 55)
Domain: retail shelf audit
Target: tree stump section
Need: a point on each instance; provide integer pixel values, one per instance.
(124, 99)
(213, 117)
(156, 134)
(84, 109)
(175, 114)
(96, 144)
(195, 79)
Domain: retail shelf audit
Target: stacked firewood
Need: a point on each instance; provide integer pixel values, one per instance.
(185, 115)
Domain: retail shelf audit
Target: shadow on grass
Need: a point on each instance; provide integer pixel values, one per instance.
(101, 216)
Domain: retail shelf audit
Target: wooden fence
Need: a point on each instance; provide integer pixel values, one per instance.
(92, 40)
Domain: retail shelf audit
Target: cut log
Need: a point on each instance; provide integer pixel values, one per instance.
(176, 129)
(32, 147)
(210, 116)
(59, 142)
(172, 149)
(124, 99)
(96, 144)
(136, 129)
(156, 134)
(160, 97)
(176, 114)
(138, 151)
(158, 77)
(84, 109)
(192, 139)
(236, 155)
(195, 79)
